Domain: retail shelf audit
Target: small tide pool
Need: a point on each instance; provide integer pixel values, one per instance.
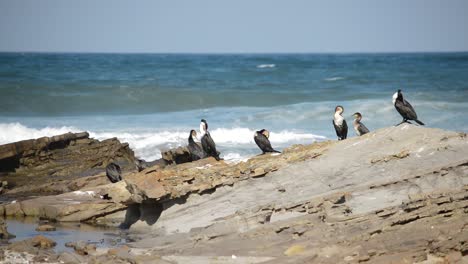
(104, 237)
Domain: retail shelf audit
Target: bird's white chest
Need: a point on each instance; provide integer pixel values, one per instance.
(395, 96)
(338, 120)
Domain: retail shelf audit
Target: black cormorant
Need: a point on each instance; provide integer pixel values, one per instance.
(196, 151)
(113, 172)
(405, 109)
(261, 138)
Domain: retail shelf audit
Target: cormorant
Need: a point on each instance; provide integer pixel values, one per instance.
(360, 128)
(339, 123)
(113, 172)
(196, 151)
(405, 109)
(207, 142)
(261, 138)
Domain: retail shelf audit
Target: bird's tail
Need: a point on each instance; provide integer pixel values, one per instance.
(419, 122)
(276, 151)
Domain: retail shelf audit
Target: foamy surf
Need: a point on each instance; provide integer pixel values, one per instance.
(333, 79)
(261, 66)
(235, 144)
(12, 132)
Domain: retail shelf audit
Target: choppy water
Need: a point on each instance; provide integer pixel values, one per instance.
(152, 101)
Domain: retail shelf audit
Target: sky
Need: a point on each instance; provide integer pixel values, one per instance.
(238, 26)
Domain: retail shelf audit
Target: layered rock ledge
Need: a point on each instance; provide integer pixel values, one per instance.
(398, 194)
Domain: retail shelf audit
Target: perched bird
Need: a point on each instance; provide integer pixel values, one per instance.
(207, 142)
(261, 138)
(339, 123)
(196, 151)
(113, 172)
(360, 128)
(405, 109)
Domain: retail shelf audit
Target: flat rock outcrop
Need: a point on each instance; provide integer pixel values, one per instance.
(64, 157)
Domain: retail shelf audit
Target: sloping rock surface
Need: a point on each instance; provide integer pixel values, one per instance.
(396, 195)
(337, 202)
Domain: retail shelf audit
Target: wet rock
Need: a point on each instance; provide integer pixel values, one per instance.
(42, 242)
(82, 248)
(32, 245)
(45, 228)
(71, 258)
(4, 234)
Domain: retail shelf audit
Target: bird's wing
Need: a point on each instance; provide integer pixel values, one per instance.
(345, 128)
(363, 129)
(263, 143)
(406, 110)
(209, 146)
(337, 128)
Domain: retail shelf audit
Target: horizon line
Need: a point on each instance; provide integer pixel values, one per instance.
(239, 53)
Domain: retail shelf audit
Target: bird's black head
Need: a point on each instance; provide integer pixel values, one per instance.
(357, 115)
(203, 120)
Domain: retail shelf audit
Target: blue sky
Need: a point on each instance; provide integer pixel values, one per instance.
(216, 26)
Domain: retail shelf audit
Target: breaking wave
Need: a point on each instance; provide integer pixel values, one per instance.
(266, 66)
(333, 79)
(234, 143)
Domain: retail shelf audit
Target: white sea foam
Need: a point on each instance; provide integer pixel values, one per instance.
(333, 79)
(12, 132)
(148, 144)
(261, 66)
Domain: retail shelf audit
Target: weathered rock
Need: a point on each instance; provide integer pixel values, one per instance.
(4, 234)
(65, 157)
(177, 156)
(42, 242)
(44, 228)
(32, 245)
(82, 248)
(354, 201)
(82, 205)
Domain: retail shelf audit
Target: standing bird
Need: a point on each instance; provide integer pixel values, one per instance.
(207, 142)
(113, 172)
(405, 109)
(196, 151)
(339, 123)
(261, 138)
(360, 128)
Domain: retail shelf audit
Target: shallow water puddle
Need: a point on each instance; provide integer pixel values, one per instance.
(67, 232)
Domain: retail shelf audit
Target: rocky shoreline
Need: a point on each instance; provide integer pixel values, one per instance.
(398, 194)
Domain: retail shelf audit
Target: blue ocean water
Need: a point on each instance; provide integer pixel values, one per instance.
(153, 100)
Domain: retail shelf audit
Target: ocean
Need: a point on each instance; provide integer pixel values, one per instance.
(152, 101)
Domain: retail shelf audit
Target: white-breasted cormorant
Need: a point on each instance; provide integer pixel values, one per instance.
(405, 109)
(207, 142)
(196, 151)
(360, 128)
(261, 138)
(339, 123)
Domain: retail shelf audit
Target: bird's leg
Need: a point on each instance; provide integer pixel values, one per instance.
(404, 121)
